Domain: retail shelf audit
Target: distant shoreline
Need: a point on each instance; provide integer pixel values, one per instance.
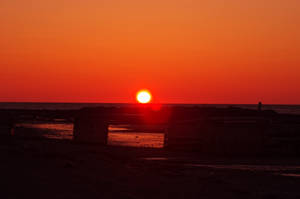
(131, 103)
(280, 108)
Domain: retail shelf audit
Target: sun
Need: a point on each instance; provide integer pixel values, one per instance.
(143, 96)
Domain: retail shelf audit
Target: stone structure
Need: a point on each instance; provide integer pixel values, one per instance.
(6, 125)
(223, 137)
(230, 131)
(90, 129)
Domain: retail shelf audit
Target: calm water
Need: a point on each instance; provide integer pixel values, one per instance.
(136, 139)
(51, 130)
(288, 171)
(292, 109)
(282, 170)
(117, 136)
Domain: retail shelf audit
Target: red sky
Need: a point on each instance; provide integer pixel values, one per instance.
(183, 51)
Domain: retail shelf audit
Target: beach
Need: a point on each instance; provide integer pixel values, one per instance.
(43, 168)
(42, 160)
(149, 99)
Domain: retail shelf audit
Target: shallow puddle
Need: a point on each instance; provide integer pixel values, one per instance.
(136, 139)
(118, 135)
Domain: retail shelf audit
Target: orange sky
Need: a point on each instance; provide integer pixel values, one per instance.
(187, 51)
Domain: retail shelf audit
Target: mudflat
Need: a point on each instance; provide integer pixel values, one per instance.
(43, 168)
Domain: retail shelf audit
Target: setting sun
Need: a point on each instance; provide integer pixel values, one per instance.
(143, 96)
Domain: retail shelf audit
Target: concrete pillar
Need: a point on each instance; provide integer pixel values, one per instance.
(6, 125)
(90, 130)
(244, 139)
(184, 137)
(236, 138)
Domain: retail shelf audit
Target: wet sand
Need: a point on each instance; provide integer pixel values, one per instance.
(43, 168)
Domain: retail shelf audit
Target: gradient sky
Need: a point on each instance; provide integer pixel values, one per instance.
(187, 51)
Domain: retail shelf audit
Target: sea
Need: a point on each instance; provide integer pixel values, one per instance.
(119, 135)
(280, 108)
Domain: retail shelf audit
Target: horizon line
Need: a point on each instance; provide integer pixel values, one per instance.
(45, 102)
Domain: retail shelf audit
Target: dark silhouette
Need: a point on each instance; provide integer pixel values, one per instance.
(209, 153)
(259, 108)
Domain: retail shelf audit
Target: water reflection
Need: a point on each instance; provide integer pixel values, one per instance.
(287, 171)
(48, 130)
(118, 128)
(157, 158)
(126, 135)
(118, 135)
(273, 168)
(295, 175)
(136, 139)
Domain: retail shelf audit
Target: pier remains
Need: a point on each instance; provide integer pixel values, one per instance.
(6, 125)
(224, 131)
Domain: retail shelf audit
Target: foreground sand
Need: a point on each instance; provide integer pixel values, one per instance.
(61, 169)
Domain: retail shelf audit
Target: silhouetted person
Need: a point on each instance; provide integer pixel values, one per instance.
(259, 106)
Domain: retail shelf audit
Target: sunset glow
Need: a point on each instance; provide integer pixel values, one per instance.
(147, 99)
(187, 51)
(143, 96)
